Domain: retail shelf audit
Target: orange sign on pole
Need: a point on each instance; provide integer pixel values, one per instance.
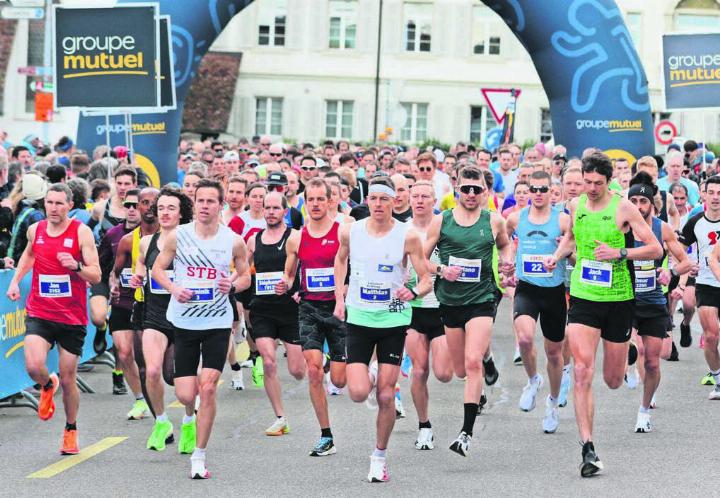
(43, 106)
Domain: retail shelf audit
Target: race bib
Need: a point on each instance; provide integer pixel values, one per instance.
(645, 280)
(533, 265)
(55, 286)
(644, 265)
(156, 288)
(320, 279)
(598, 273)
(265, 282)
(374, 292)
(203, 291)
(125, 276)
(470, 268)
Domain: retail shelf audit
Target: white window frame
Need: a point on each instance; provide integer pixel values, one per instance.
(420, 21)
(268, 128)
(485, 118)
(544, 121)
(347, 18)
(272, 10)
(338, 125)
(490, 31)
(412, 118)
(635, 15)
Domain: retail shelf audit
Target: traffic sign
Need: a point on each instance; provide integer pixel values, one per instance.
(35, 70)
(43, 107)
(498, 99)
(42, 86)
(22, 13)
(665, 131)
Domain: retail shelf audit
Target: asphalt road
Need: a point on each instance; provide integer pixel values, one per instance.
(509, 454)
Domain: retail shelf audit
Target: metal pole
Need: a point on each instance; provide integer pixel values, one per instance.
(131, 145)
(107, 142)
(377, 71)
(127, 127)
(47, 61)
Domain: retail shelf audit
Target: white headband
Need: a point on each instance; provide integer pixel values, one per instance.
(379, 188)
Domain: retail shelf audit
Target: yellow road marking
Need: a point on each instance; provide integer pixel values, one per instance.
(177, 404)
(70, 461)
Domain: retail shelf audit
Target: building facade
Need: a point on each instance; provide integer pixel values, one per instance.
(309, 67)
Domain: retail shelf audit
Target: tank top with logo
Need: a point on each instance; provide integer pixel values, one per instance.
(157, 298)
(647, 288)
(317, 264)
(269, 262)
(535, 243)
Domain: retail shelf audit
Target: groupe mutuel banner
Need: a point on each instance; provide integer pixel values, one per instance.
(691, 65)
(106, 58)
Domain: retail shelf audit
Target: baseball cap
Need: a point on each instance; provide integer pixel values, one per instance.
(276, 178)
(231, 155)
(559, 157)
(34, 187)
(121, 151)
(253, 161)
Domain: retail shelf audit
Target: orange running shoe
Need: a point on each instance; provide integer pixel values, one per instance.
(46, 407)
(70, 443)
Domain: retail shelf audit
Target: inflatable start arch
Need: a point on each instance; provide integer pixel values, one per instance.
(581, 49)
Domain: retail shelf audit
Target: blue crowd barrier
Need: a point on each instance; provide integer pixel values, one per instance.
(13, 377)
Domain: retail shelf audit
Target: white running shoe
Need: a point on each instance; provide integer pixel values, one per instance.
(197, 403)
(552, 417)
(527, 398)
(643, 425)
(461, 445)
(653, 403)
(237, 381)
(399, 409)
(331, 388)
(632, 379)
(425, 439)
(564, 389)
(517, 358)
(378, 469)
(198, 470)
(373, 372)
(278, 428)
(715, 393)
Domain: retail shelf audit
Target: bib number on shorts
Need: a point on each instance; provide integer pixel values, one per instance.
(597, 273)
(533, 266)
(203, 291)
(54, 286)
(156, 288)
(320, 279)
(265, 282)
(373, 292)
(125, 276)
(470, 268)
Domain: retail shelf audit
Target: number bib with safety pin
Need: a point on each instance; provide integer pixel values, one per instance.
(265, 282)
(533, 265)
(645, 276)
(156, 288)
(203, 291)
(598, 273)
(470, 268)
(320, 279)
(55, 286)
(125, 276)
(374, 292)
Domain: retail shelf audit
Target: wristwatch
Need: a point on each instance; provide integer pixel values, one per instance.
(414, 292)
(623, 254)
(439, 271)
(79, 267)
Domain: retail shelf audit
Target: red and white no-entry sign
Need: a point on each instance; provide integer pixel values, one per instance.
(665, 131)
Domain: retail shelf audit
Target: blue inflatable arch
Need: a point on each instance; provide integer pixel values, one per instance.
(582, 51)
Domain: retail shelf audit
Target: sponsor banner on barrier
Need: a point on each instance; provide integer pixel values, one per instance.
(691, 69)
(13, 377)
(106, 57)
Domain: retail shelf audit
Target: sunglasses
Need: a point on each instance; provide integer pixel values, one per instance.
(534, 189)
(276, 154)
(475, 189)
(686, 172)
(276, 188)
(130, 205)
(426, 169)
(308, 168)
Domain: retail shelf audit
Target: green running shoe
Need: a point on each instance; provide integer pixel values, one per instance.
(160, 433)
(708, 380)
(139, 411)
(187, 438)
(258, 373)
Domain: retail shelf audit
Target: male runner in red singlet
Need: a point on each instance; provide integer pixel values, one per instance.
(63, 259)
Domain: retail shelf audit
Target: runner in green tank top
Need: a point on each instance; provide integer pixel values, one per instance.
(601, 302)
(465, 237)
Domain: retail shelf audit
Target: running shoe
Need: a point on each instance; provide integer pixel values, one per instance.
(119, 384)
(324, 447)
(425, 439)
(278, 428)
(685, 335)
(461, 445)
(653, 403)
(708, 380)
(517, 359)
(100, 339)
(237, 380)
(258, 373)
(552, 417)
(247, 364)
(70, 443)
(564, 389)
(197, 402)
(527, 398)
(326, 363)
(399, 409)
(632, 379)
(591, 463)
(160, 432)
(406, 365)
(491, 373)
(378, 469)
(188, 435)
(139, 411)
(198, 470)
(715, 393)
(331, 388)
(46, 406)
(483, 402)
(674, 353)
(642, 424)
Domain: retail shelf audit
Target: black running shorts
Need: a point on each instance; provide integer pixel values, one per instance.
(100, 289)
(456, 317)
(652, 320)
(362, 341)
(427, 321)
(190, 345)
(548, 303)
(281, 325)
(707, 295)
(318, 324)
(120, 319)
(613, 318)
(69, 337)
